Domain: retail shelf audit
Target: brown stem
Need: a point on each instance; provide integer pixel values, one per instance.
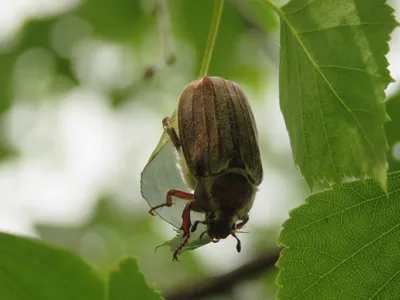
(224, 283)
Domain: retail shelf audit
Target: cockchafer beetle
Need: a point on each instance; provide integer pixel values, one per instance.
(217, 142)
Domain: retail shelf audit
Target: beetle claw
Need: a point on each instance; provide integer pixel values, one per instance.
(175, 256)
(179, 248)
(167, 204)
(202, 234)
(151, 211)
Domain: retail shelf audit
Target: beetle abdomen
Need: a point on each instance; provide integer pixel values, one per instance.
(217, 129)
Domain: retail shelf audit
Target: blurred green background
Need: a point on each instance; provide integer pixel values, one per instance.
(84, 85)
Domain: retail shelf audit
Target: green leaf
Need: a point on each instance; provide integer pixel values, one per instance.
(128, 283)
(333, 73)
(30, 269)
(164, 139)
(393, 132)
(193, 243)
(160, 175)
(116, 230)
(343, 244)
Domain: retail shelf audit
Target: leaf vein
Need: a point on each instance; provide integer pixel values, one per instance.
(361, 24)
(302, 8)
(326, 134)
(354, 69)
(385, 284)
(349, 257)
(344, 210)
(325, 79)
(301, 107)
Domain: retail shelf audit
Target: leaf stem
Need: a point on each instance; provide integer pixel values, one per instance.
(274, 6)
(212, 35)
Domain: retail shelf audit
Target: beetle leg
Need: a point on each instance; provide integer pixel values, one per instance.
(241, 224)
(168, 202)
(196, 223)
(171, 132)
(179, 248)
(186, 224)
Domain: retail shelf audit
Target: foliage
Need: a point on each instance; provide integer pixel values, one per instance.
(113, 232)
(331, 97)
(128, 283)
(392, 131)
(31, 269)
(343, 244)
(332, 101)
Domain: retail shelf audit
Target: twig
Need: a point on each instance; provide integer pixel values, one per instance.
(167, 57)
(212, 36)
(224, 283)
(165, 34)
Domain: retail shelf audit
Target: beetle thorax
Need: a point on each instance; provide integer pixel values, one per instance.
(231, 191)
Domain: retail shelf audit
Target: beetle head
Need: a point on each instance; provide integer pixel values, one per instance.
(220, 225)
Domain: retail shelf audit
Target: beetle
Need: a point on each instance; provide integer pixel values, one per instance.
(217, 142)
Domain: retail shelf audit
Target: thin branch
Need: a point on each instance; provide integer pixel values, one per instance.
(212, 36)
(165, 35)
(167, 57)
(224, 284)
